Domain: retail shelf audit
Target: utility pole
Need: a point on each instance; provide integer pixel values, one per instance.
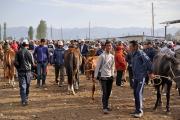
(51, 33)
(152, 20)
(4, 37)
(0, 32)
(61, 33)
(89, 30)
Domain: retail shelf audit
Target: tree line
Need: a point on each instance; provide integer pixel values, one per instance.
(41, 31)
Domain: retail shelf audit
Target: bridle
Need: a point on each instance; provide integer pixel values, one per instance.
(167, 77)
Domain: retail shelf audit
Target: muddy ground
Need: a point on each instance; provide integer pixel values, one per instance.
(53, 103)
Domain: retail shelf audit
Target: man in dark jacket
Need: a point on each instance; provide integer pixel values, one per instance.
(41, 56)
(150, 52)
(84, 51)
(23, 63)
(141, 67)
(58, 60)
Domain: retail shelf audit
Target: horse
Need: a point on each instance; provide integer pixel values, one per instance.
(166, 69)
(89, 70)
(1, 54)
(72, 58)
(9, 68)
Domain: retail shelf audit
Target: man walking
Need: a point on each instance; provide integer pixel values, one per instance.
(141, 66)
(23, 63)
(84, 51)
(41, 56)
(105, 66)
(58, 59)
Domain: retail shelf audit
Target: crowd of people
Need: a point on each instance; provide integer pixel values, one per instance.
(114, 57)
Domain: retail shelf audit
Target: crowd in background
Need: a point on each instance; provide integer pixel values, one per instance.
(40, 53)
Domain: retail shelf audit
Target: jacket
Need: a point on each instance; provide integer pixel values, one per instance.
(41, 54)
(150, 52)
(84, 50)
(23, 60)
(58, 56)
(141, 64)
(105, 65)
(120, 62)
(99, 52)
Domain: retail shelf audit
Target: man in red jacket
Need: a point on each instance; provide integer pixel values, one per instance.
(14, 46)
(120, 64)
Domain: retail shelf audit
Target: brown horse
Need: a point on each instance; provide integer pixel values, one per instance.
(1, 54)
(72, 60)
(9, 68)
(89, 70)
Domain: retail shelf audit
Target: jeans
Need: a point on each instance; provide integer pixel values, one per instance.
(41, 72)
(106, 87)
(59, 68)
(119, 77)
(138, 87)
(24, 84)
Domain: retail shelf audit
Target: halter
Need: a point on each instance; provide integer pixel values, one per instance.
(161, 76)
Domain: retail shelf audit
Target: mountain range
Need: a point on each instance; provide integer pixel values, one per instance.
(96, 32)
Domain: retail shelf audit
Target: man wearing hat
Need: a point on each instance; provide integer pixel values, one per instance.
(84, 51)
(23, 63)
(58, 59)
(51, 49)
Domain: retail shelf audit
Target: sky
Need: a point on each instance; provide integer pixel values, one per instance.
(78, 13)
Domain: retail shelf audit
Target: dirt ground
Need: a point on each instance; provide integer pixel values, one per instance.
(53, 103)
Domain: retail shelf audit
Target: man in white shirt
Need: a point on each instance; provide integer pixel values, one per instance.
(105, 66)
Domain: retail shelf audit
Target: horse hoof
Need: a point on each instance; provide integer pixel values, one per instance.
(155, 108)
(74, 93)
(168, 112)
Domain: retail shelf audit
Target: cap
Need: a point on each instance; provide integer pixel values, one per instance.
(82, 40)
(25, 41)
(60, 43)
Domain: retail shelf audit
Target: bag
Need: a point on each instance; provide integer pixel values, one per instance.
(99, 75)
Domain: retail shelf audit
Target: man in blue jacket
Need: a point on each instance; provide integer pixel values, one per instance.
(150, 52)
(141, 67)
(58, 59)
(41, 56)
(84, 51)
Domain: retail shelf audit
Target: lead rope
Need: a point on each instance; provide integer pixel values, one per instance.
(160, 76)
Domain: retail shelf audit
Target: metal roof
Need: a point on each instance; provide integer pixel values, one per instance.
(171, 22)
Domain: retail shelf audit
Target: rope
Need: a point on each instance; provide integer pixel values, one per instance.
(161, 76)
(89, 70)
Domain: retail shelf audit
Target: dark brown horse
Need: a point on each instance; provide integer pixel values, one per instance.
(72, 60)
(166, 70)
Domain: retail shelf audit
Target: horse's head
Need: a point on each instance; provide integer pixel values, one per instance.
(174, 69)
(89, 66)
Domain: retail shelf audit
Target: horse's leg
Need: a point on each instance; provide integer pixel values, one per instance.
(77, 80)
(5, 73)
(9, 76)
(169, 85)
(12, 76)
(72, 89)
(93, 88)
(93, 85)
(158, 95)
(160, 100)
